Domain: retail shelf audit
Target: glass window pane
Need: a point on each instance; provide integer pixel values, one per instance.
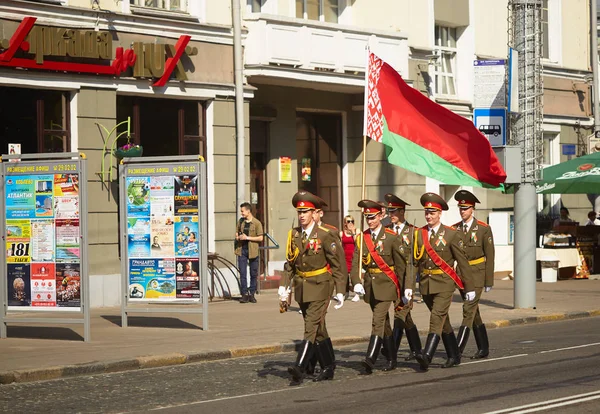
(192, 126)
(191, 147)
(300, 9)
(545, 41)
(312, 7)
(452, 37)
(53, 111)
(437, 35)
(331, 10)
(55, 143)
(256, 4)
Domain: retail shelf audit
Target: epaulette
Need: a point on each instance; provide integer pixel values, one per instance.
(482, 223)
(389, 231)
(325, 229)
(329, 226)
(455, 226)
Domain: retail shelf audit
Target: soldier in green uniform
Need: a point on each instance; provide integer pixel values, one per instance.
(313, 268)
(436, 250)
(383, 266)
(402, 319)
(479, 246)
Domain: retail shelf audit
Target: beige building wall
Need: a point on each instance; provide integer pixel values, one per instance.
(104, 4)
(575, 34)
(219, 12)
(491, 28)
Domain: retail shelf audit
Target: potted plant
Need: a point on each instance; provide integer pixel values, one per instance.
(129, 150)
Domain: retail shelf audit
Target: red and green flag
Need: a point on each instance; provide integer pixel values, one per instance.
(424, 137)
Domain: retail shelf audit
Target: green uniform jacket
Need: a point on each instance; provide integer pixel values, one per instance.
(320, 250)
(408, 280)
(479, 242)
(342, 256)
(387, 245)
(449, 246)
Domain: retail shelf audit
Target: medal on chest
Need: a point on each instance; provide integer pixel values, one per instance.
(440, 240)
(474, 234)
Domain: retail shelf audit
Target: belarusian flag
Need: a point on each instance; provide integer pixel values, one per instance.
(424, 137)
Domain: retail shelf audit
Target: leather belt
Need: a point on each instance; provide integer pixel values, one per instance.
(432, 272)
(378, 270)
(312, 273)
(477, 261)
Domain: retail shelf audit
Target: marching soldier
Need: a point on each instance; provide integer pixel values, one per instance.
(402, 319)
(479, 246)
(436, 249)
(383, 265)
(313, 268)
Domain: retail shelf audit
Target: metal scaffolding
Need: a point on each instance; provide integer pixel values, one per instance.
(525, 36)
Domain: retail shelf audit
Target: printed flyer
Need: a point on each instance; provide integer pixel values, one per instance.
(161, 230)
(18, 241)
(19, 284)
(68, 285)
(66, 207)
(138, 196)
(138, 237)
(20, 196)
(186, 236)
(162, 186)
(151, 279)
(67, 240)
(186, 195)
(66, 185)
(42, 240)
(43, 284)
(43, 195)
(187, 278)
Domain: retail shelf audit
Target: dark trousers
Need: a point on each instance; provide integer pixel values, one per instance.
(243, 262)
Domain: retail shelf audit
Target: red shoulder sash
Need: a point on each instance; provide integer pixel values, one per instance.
(381, 263)
(439, 262)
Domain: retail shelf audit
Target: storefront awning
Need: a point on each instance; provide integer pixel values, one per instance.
(577, 176)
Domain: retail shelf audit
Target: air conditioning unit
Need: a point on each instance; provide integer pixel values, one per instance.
(594, 145)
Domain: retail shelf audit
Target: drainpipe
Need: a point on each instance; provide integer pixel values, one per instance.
(594, 50)
(239, 103)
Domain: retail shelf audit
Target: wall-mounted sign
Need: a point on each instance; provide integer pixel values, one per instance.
(306, 171)
(285, 169)
(89, 51)
(14, 149)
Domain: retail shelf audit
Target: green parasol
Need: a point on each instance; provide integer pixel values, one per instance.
(580, 175)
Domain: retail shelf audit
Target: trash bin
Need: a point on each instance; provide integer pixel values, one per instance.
(549, 270)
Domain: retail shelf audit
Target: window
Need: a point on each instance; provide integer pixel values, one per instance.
(551, 31)
(170, 5)
(322, 10)
(257, 5)
(444, 67)
(545, 31)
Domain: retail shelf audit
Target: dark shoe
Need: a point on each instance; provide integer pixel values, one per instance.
(312, 362)
(414, 343)
(392, 361)
(326, 359)
(424, 358)
(481, 338)
(244, 298)
(372, 353)
(463, 338)
(252, 299)
(298, 370)
(451, 345)
(397, 334)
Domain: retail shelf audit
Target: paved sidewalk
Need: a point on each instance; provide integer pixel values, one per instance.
(44, 352)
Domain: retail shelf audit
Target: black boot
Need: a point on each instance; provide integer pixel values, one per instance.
(424, 358)
(392, 360)
(326, 360)
(463, 338)
(312, 362)
(245, 298)
(305, 352)
(481, 338)
(397, 334)
(451, 345)
(372, 353)
(414, 342)
(252, 299)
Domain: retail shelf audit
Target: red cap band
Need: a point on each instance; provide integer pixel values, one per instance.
(432, 206)
(305, 205)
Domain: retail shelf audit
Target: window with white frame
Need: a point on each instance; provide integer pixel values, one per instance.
(321, 10)
(257, 5)
(551, 30)
(545, 31)
(169, 5)
(445, 64)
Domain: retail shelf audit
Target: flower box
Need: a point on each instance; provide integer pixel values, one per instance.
(132, 151)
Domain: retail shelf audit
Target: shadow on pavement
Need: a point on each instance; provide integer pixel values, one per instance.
(456, 298)
(43, 332)
(151, 322)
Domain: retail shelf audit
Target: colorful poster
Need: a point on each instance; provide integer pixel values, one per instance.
(151, 279)
(187, 278)
(19, 284)
(18, 241)
(162, 186)
(186, 195)
(161, 230)
(138, 237)
(186, 236)
(43, 195)
(42, 240)
(68, 285)
(66, 185)
(67, 240)
(20, 197)
(138, 196)
(43, 284)
(66, 207)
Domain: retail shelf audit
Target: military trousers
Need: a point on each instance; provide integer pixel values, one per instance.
(471, 315)
(404, 315)
(380, 324)
(439, 305)
(314, 320)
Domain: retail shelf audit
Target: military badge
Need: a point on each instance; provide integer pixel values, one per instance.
(440, 240)
(317, 245)
(401, 249)
(461, 243)
(490, 240)
(333, 247)
(405, 239)
(474, 237)
(380, 246)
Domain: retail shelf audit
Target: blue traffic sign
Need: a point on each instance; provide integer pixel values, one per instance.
(491, 122)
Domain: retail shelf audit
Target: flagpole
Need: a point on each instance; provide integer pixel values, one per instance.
(364, 161)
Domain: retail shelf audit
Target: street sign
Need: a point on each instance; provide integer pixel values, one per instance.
(568, 149)
(489, 83)
(491, 122)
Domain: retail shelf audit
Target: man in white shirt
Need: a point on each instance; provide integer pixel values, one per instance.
(592, 220)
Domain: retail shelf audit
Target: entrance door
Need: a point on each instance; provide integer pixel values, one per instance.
(259, 138)
(319, 145)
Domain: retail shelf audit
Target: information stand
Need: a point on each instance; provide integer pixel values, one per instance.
(163, 215)
(44, 261)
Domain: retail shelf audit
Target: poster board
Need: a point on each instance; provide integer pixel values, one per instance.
(163, 234)
(44, 223)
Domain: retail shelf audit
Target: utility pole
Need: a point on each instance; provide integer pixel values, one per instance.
(525, 36)
(238, 67)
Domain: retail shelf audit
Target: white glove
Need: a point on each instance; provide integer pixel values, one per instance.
(283, 293)
(340, 298)
(358, 288)
(487, 289)
(469, 296)
(407, 296)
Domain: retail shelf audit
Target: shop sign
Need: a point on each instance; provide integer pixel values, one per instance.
(31, 45)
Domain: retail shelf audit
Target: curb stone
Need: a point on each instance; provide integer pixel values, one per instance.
(155, 361)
